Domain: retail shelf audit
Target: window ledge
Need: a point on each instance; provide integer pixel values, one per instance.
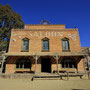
(45, 50)
(24, 50)
(22, 68)
(68, 68)
(66, 51)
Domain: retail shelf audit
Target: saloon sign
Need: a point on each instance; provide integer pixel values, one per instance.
(48, 34)
(51, 34)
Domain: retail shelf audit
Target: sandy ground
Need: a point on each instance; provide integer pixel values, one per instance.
(54, 84)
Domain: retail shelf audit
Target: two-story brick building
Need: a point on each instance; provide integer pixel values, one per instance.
(44, 48)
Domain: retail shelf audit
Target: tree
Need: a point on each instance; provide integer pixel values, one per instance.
(8, 19)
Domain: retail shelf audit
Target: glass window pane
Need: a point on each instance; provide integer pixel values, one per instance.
(45, 45)
(25, 45)
(17, 65)
(69, 63)
(21, 65)
(26, 65)
(65, 44)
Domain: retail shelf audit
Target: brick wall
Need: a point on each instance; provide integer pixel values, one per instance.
(81, 65)
(35, 43)
(45, 26)
(10, 68)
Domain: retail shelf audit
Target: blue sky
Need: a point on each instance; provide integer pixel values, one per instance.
(72, 13)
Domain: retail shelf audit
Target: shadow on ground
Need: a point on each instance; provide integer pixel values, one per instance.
(80, 89)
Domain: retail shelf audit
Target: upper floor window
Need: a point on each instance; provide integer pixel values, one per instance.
(65, 44)
(25, 44)
(45, 44)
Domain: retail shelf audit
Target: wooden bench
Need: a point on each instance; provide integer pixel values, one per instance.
(60, 76)
(21, 71)
(69, 74)
(60, 71)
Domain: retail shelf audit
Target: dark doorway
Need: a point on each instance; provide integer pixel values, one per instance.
(46, 65)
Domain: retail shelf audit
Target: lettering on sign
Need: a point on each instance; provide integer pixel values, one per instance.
(15, 34)
(72, 36)
(14, 40)
(46, 34)
(49, 34)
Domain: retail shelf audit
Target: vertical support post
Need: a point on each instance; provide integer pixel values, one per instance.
(36, 64)
(67, 75)
(2, 64)
(57, 58)
(87, 62)
(57, 64)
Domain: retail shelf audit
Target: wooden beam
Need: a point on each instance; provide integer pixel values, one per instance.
(36, 57)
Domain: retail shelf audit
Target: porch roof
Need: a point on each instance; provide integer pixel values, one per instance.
(45, 53)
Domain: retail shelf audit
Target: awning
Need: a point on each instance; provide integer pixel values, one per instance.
(45, 54)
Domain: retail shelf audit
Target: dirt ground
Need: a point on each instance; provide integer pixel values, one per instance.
(74, 83)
